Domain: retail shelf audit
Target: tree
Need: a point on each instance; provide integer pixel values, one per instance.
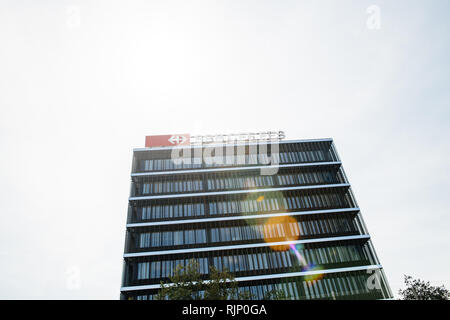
(417, 289)
(221, 286)
(276, 295)
(187, 284)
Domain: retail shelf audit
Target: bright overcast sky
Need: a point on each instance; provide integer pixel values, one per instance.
(82, 83)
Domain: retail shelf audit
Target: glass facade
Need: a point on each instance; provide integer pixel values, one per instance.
(298, 230)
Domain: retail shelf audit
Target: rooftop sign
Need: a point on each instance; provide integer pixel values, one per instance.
(238, 137)
(186, 139)
(169, 140)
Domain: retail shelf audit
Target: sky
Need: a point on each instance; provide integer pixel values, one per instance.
(83, 82)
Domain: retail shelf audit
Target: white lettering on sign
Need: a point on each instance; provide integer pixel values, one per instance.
(239, 137)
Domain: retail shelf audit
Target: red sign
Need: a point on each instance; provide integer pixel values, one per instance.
(169, 140)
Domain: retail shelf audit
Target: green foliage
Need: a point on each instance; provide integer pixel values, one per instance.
(276, 295)
(221, 286)
(417, 289)
(187, 284)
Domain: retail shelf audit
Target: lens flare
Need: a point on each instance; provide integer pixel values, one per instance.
(281, 228)
(304, 264)
(314, 277)
(260, 203)
(300, 258)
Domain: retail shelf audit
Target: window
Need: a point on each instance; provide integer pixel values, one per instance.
(143, 270)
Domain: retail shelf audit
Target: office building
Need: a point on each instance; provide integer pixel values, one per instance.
(297, 228)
